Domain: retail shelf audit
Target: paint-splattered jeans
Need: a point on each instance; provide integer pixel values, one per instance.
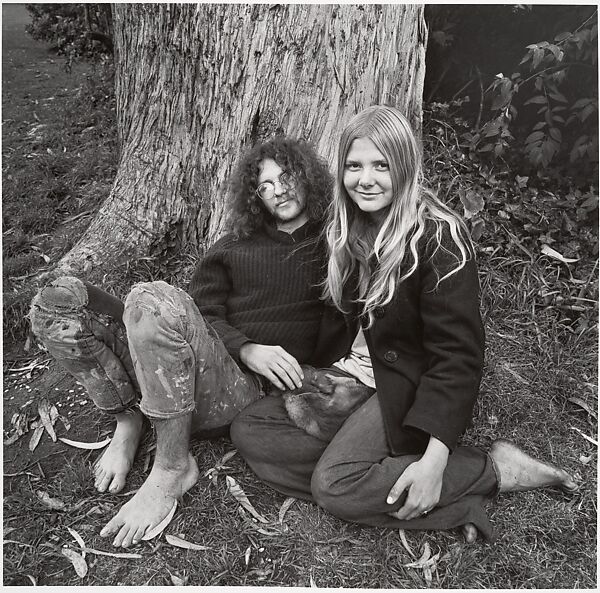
(156, 351)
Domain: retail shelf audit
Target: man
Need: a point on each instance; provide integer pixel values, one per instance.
(190, 363)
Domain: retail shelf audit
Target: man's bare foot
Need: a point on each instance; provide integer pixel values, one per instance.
(111, 469)
(519, 471)
(470, 532)
(151, 503)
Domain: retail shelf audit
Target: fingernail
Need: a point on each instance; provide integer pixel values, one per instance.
(389, 500)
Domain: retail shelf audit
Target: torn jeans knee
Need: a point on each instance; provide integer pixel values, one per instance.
(89, 344)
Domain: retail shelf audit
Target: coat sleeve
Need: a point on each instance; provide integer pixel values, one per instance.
(210, 287)
(453, 341)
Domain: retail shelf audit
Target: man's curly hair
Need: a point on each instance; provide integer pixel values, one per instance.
(297, 157)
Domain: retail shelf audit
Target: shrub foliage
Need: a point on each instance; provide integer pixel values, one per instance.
(73, 30)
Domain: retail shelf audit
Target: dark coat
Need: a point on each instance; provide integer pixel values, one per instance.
(426, 348)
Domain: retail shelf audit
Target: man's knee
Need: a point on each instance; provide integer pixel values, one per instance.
(148, 309)
(66, 294)
(55, 309)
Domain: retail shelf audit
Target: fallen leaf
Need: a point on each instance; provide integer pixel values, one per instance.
(312, 582)
(54, 414)
(182, 543)
(52, 503)
(31, 366)
(287, 503)
(579, 402)
(269, 532)
(77, 560)
(227, 457)
(14, 541)
(514, 373)
(20, 422)
(585, 436)
(35, 438)
(152, 533)
(81, 445)
(586, 459)
(247, 555)
(405, 543)
(178, 581)
(33, 581)
(547, 250)
(65, 422)
(78, 539)
(427, 575)
(112, 554)
(236, 491)
(426, 559)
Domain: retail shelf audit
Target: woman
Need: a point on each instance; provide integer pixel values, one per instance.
(402, 262)
(402, 271)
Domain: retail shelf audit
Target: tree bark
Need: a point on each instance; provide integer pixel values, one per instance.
(198, 84)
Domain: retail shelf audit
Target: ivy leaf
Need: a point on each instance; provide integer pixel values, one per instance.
(472, 203)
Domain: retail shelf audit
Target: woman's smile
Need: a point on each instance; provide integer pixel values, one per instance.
(367, 177)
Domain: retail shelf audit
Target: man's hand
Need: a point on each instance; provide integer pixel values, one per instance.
(423, 481)
(274, 363)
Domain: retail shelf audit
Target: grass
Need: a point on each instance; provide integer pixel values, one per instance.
(539, 389)
(59, 154)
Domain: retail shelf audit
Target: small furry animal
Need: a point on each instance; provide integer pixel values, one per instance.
(324, 401)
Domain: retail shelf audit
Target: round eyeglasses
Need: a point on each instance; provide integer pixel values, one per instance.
(266, 190)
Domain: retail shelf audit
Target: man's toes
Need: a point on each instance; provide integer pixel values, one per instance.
(112, 526)
(139, 534)
(121, 537)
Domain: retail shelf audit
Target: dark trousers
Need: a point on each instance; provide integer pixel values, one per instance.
(351, 476)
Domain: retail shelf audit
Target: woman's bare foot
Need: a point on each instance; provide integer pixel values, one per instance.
(470, 532)
(151, 503)
(111, 469)
(519, 471)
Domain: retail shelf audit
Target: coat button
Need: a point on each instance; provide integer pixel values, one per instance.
(391, 356)
(379, 312)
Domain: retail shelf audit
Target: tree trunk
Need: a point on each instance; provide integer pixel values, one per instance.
(198, 84)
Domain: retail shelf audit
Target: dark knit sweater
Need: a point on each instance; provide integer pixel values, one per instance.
(263, 289)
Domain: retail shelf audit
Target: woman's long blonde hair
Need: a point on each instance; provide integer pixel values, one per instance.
(380, 253)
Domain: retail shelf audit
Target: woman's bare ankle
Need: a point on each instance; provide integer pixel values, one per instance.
(519, 471)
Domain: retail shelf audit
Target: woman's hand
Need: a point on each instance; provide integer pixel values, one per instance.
(274, 363)
(423, 481)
